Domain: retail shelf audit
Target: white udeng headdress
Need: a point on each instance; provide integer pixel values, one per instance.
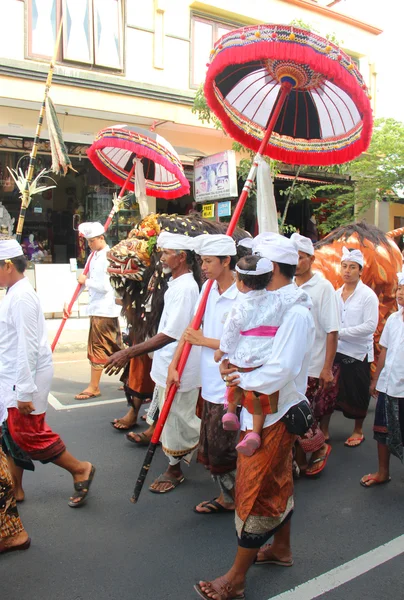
(277, 248)
(400, 277)
(263, 266)
(302, 243)
(175, 241)
(91, 230)
(10, 249)
(216, 244)
(352, 256)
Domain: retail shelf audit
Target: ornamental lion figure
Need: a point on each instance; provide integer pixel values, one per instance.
(135, 269)
(382, 259)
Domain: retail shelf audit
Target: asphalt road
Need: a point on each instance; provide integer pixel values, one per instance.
(110, 549)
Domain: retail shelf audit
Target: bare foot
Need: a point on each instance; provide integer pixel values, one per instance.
(14, 540)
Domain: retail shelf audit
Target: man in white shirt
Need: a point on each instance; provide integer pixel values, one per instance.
(359, 311)
(322, 388)
(181, 431)
(217, 447)
(388, 380)
(26, 373)
(105, 333)
(264, 484)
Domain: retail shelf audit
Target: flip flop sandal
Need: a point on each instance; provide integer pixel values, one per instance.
(82, 488)
(124, 428)
(167, 479)
(221, 588)
(375, 480)
(274, 561)
(354, 439)
(214, 506)
(321, 461)
(86, 395)
(143, 439)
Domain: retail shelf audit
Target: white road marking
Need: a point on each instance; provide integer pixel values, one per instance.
(54, 402)
(351, 570)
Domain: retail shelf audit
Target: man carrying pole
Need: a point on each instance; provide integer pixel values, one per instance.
(181, 432)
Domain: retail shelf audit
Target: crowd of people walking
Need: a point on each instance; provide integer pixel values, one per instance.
(279, 350)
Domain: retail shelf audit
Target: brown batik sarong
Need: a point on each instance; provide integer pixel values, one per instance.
(323, 401)
(104, 339)
(217, 447)
(10, 522)
(264, 487)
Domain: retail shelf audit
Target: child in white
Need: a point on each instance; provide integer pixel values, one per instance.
(248, 341)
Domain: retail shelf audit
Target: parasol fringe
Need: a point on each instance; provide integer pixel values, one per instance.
(61, 162)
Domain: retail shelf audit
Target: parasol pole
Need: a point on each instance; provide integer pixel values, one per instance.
(25, 198)
(79, 287)
(196, 323)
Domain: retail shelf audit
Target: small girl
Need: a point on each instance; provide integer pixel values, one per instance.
(248, 342)
(388, 380)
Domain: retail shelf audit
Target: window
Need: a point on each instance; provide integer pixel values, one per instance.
(204, 34)
(91, 35)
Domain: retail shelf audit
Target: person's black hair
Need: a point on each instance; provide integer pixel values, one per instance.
(193, 262)
(287, 271)
(233, 261)
(254, 282)
(360, 266)
(20, 263)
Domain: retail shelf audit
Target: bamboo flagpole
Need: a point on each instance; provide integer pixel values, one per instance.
(196, 323)
(26, 192)
(115, 208)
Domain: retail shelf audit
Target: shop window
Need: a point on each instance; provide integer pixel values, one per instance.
(204, 34)
(92, 31)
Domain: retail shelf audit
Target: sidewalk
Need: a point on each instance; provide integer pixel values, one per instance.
(75, 333)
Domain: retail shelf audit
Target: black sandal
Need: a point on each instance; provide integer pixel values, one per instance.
(213, 507)
(82, 488)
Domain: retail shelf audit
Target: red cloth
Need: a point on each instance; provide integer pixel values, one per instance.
(33, 435)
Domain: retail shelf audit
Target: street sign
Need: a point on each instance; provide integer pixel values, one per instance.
(224, 209)
(208, 211)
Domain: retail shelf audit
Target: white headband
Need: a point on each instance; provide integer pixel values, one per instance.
(263, 266)
(10, 249)
(352, 256)
(175, 241)
(302, 243)
(400, 277)
(214, 245)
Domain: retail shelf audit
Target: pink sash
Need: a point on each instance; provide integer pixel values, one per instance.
(262, 331)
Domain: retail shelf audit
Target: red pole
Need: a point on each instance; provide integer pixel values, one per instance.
(196, 323)
(87, 267)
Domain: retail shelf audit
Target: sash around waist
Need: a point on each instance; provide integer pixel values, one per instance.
(261, 331)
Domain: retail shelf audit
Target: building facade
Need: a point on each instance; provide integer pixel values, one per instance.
(125, 61)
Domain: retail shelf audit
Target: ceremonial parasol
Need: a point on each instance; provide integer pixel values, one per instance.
(158, 172)
(139, 161)
(288, 94)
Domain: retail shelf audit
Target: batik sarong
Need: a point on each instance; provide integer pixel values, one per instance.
(217, 448)
(264, 487)
(10, 523)
(353, 386)
(388, 428)
(323, 401)
(104, 339)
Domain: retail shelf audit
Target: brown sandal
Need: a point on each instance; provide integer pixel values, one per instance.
(221, 587)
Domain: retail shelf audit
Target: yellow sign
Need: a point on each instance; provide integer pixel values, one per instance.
(208, 211)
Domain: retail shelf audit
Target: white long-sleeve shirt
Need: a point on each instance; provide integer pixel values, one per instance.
(25, 354)
(100, 291)
(391, 379)
(286, 370)
(359, 319)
